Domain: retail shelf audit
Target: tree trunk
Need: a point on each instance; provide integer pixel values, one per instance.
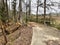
(44, 11)
(2, 23)
(6, 10)
(14, 11)
(20, 11)
(9, 13)
(29, 9)
(37, 11)
(26, 14)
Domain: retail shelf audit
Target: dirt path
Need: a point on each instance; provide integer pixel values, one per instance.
(43, 33)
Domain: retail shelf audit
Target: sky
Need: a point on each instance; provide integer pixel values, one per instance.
(41, 10)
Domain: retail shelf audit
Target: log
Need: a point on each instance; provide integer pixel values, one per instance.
(11, 37)
(12, 28)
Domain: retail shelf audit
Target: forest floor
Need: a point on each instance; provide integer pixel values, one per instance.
(24, 38)
(33, 34)
(44, 35)
(20, 36)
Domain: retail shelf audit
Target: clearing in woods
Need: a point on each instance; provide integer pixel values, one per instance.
(43, 34)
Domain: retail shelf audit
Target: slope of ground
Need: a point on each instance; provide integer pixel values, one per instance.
(25, 37)
(11, 37)
(44, 35)
(21, 36)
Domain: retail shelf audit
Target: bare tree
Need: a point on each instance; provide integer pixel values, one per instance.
(14, 10)
(29, 9)
(26, 13)
(9, 13)
(3, 20)
(6, 8)
(44, 11)
(20, 11)
(37, 11)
